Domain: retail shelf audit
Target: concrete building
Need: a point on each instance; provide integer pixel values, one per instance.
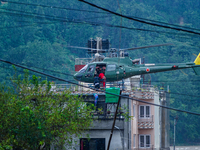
(147, 129)
(99, 132)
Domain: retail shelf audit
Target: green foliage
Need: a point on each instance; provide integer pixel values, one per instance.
(124, 111)
(32, 115)
(40, 40)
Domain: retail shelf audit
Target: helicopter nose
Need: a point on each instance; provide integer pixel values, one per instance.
(78, 76)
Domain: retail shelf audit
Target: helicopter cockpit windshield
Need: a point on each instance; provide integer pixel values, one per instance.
(83, 69)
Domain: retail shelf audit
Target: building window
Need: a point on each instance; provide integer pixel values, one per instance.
(134, 142)
(145, 141)
(144, 111)
(92, 144)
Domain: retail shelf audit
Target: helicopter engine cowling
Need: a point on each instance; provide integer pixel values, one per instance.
(98, 57)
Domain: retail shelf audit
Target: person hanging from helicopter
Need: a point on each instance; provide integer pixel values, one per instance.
(96, 82)
(103, 78)
(96, 99)
(104, 68)
(98, 70)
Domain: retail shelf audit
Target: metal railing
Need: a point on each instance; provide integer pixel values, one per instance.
(106, 115)
(144, 91)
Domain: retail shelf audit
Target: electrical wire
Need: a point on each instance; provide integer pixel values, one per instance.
(74, 80)
(22, 72)
(54, 18)
(48, 70)
(175, 109)
(124, 82)
(165, 23)
(48, 6)
(137, 20)
(68, 74)
(42, 15)
(183, 94)
(185, 100)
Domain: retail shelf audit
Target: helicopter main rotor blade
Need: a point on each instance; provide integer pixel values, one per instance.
(135, 48)
(85, 48)
(95, 51)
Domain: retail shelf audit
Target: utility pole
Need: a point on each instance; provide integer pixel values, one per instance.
(175, 122)
(108, 147)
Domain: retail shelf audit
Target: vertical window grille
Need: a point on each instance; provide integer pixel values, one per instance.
(144, 111)
(145, 141)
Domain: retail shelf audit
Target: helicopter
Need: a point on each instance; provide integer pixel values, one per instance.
(123, 67)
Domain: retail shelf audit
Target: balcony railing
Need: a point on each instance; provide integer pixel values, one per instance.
(146, 92)
(145, 147)
(142, 118)
(106, 115)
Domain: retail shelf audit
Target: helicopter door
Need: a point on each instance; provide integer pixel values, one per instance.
(89, 74)
(111, 72)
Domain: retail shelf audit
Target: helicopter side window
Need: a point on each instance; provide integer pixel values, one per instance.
(91, 68)
(136, 61)
(111, 67)
(83, 69)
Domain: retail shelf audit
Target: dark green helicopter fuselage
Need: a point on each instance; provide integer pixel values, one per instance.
(119, 68)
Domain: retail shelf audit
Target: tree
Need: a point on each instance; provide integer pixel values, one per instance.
(33, 116)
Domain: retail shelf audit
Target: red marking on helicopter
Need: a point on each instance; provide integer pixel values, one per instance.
(147, 70)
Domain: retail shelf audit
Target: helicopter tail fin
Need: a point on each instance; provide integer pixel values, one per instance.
(197, 60)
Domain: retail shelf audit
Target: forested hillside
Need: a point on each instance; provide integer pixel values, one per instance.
(37, 33)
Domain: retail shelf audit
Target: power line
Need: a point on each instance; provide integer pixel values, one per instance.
(48, 70)
(55, 18)
(73, 80)
(141, 21)
(22, 72)
(183, 94)
(175, 109)
(13, 70)
(165, 23)
(60, 19)
(48, 6)
(39, 15)
(125, 82)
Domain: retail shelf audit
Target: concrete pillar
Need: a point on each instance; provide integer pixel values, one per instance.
(164, 122)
